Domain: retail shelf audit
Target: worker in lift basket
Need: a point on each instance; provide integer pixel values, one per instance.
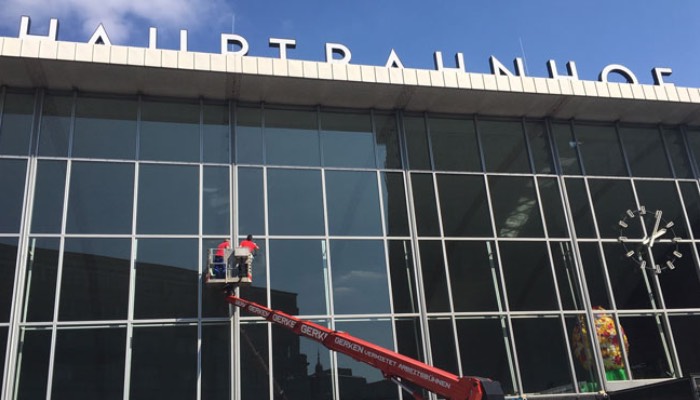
(250, 245)
(219, 261)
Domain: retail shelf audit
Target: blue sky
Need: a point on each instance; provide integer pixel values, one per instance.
(640, 34)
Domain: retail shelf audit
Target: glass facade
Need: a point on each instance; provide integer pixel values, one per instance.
(484, 246)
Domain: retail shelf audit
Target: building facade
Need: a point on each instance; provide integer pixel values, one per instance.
(470, 221)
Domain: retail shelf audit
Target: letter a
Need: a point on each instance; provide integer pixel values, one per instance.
(393, 61)
(100, 37)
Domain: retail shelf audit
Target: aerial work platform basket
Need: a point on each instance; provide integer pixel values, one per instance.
(234, 267)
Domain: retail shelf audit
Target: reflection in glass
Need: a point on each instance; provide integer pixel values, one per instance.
(42, 269)
(16, 124)
(95, 280)
(291, 138)
(96, 371)
(515, 206)
(663, 195)
(164, 363)
(215, 201)
(611, 199)
(567, 148)
(403, 280)
(251, 204)
(47, 211)
(12, 188)
(33, 363)
(249, 139)
(442, 344)
(55, 126)
(388, 151)
(454, 145)
(434, 279)
(215, 134)
(166, 278)
(101, 198)
(677, 152)
(691, 200)
(394, 200)
(583, 353)
(580, 208)
(645, 151)
(105, 128)
(528, 276)
(359, 277)
(353, 203)
(255, 373)
(169, 132)
(685, 334)
(464, 205)
(541, 150)
(347, 140)
(216, 374)
(298, 273)
(425, 205)
(304, 215)
(417, 143)
(474, 276)
(8, 259)
(168, 201)
(553, 207)
(567, 276)
(595, 278)
(504, 146)
(647, 354)
(681, 286)
(600, 150)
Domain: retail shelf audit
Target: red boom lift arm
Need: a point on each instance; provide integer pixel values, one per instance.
(393, 365)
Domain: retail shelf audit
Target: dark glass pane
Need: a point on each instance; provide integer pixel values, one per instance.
(55, 126)
(454, 145)
(297, 271)
(255, 371)
(359, 277)
(3, 346)
(567, 148)
(42, 270)
(353, 203)
(541, 148)
(258, 291)
(169, 132)
(629, 286)
(681, 286)
(417, 143)
(164, 363)
(425, 205)
(580, 208)
(359, 381)
(101, 198)
(33, 363)
(16, 127)
(611, 199)
(434, 279)
(105, 128)
(347, 140)
(168, 200)
(8, 260)
(584, 356)
(251, 204)
(12, 176)
(394, 200)
(94, 372)
(409, 341)
(249, 139)
(215, 134)
(528, 276)
(685, 334)
(442, 344)
(304, 215)
(515, 206)
(595, 279)
(567, 277)
(291, 137)
(553, 207)
(388, 151)
(464, 205)
(600, 150)
(678, 152)
(483, 350)
(663, 195)
(504, 146)
(49, 191)
(403, 280)
(216, 372)
(474, 276)
(215, 201)
(645, 151)
(542, 355)
(166, 278)
(95, 280)
(691, 199)
(646, 353)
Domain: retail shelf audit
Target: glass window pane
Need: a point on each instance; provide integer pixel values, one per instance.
(169, 132)
(298, 271)
(646, 353)
(515, 206)
(425, 205)
(417, 143)
(541, 149)
(567, 276)
(553, 207)
(42, 270)
(663, 195)
(691, 200)
(291, 138)
(105, 128)
(16, 124)
(97, 370)
(693, 136)
(8, 260)
(359, 277)
(55, 126)
(454, 145)
(580, 208)
(166, 278)
(685, 333)
(567, 148)
(304, 215)
(249, 139)
(101, 198)
(33, 363)
(464, 205)
(257, 292)
(255, 373)
(677, 151)
(600, 150)
(347, 140)
(528, 276)
(595, 279)
(215, 134)
(12, 176)
(474, 276)
(542, 355)
(645, 151)
(442, 344)
(611, 199)
(216, 345)
(388, 151)
(164, 363)
(630, 288)
(353, 203)
(95, 280)
(216, 207)
(47, 214)
(681, 286)
(409, 341)
(3, 346)
(504, 146)
(394, 200)
(434, 278)
(168, 200)
(584, 357)
(403, 278)
(251, 204)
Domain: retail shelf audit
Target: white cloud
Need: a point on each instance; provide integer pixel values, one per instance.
(118, 16)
